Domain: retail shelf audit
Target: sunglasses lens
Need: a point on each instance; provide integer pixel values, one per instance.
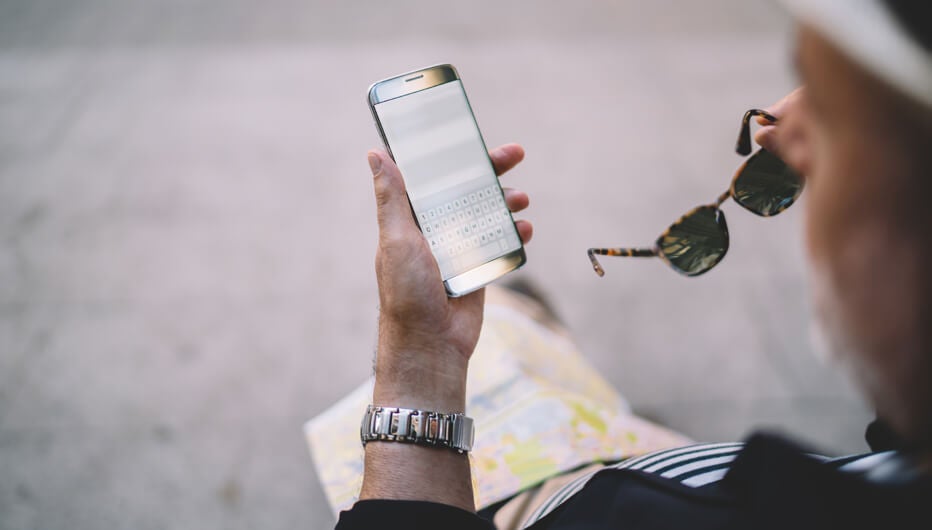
(766, 185)
(697, 242)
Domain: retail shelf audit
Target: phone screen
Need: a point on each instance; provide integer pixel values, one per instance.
(452, 186)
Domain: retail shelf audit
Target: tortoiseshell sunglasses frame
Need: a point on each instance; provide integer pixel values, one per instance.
(742, 147)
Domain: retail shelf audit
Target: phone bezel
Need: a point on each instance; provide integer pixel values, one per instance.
(422, 79)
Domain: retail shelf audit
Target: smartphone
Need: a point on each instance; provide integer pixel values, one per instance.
(429, 129)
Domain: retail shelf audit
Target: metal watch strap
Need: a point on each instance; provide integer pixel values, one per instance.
(455, 431)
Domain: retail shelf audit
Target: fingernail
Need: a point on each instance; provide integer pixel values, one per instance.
(375, 163)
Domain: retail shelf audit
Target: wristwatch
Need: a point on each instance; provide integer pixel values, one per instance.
(455, 431)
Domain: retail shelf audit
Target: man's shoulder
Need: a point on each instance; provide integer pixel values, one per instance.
(771, 482)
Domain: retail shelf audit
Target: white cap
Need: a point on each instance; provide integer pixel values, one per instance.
(869, 34)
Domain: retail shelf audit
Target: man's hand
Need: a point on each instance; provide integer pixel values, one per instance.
(788, 138)
(425, 341)
(424, 336)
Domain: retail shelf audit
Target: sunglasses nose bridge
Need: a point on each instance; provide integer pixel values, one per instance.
(722, 198)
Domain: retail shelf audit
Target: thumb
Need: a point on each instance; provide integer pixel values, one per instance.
(392, 207)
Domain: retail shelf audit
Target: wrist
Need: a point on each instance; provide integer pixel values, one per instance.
(447, 401)
(420, 380)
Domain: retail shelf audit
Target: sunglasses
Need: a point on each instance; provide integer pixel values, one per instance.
(698, 241)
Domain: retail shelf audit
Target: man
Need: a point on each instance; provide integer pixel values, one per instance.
(861, 131)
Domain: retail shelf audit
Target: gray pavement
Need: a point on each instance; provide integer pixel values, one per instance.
(187, 233)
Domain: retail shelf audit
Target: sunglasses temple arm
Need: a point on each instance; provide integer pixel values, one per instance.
(627, 252)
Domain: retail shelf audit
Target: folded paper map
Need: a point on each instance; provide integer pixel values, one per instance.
(539, 408)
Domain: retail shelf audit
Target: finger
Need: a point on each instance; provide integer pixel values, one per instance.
(779, 109)
(525, 230)
(392, 208)
(506, 157)
(516, 200)
(762, 120)
(766, 137)
(797, 156)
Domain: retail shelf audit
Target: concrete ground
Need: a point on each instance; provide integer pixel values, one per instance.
(187, 233)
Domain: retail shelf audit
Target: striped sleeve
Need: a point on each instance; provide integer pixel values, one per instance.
(694, 466)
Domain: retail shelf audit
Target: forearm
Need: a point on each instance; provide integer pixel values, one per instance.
(410, 472)
(403, 471)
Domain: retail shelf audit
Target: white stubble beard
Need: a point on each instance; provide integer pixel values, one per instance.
(830, 343)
